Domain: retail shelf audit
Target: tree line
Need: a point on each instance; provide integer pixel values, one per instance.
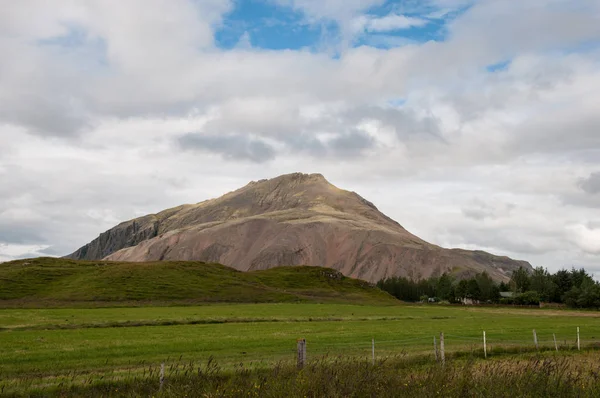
(575, 288)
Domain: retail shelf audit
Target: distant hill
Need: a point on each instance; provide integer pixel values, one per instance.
(50, 281)
(294, 219)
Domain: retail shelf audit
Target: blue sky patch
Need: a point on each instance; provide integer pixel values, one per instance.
(275, 27)
(75, 36)
(498, 66)
(268, 26)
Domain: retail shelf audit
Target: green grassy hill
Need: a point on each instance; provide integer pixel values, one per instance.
(59, 282)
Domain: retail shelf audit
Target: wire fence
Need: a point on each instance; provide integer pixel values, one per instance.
(500, 341)
(425, 347)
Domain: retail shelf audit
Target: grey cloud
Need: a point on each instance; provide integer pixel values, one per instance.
(342, 145)
(242, 147)
(73, 208)
(593, 224)
(535, 25)
(45, 117)
(480, 210)
(306, 143)
(476, 214)
(351, 144)
(80, 197)
(232, 146)
(566, 131)
(591, 184)
(404, 121)
(227, 133)
(19, 233)
(506, 241)
(53, 251)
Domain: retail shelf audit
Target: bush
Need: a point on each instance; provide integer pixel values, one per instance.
(527, 298)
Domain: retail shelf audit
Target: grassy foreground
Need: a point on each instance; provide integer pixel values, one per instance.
(103, 337)
(528, 376)
(44, 348)
(53, 282)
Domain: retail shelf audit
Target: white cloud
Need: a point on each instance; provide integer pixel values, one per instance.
(586, 238)
(388, 23)
(91, 131)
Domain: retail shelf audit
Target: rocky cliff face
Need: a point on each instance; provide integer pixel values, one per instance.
(295, 219)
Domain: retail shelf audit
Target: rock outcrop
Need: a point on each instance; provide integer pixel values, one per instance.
(294, 219)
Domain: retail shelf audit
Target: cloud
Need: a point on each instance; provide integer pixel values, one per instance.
(480, 209)
(388, 23)
(591, 184)
(586, 238)
(17, 233)
(53, 87)
(502, 241)
(96, 100)
(230, 146)
(244, 42)
(351, 144)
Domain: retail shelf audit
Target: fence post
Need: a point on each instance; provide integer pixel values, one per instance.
(162, 376)
(535, 341)
(555, 345)
(301, 353)
(373, 350)
(435, 349)
(484, 346)
(442, 353)
(578, 342)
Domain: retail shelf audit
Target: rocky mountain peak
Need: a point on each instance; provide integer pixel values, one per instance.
(293, 219)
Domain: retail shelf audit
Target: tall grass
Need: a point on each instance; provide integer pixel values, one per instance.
(536, 376)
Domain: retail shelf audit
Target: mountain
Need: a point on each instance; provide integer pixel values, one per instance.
(293, 219)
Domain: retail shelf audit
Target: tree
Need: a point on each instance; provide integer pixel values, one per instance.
(527, 298)
(570, 297)
(540, 281)
(462, 289)
(519, 280)
(578, 277)
(589, 296)
(488, 291)
(444, 287)
(473, 291)
(563, 281)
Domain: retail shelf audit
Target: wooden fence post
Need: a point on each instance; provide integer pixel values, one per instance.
(484, 346)
(435, 349)
(578, 342)
(555, 345)
(373, 350)
(162, 376)
(301, 353)
(442, 353)
(535, 340)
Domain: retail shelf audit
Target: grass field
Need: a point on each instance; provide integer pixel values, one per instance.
(50, 343)
(54, 282)
(96, 321)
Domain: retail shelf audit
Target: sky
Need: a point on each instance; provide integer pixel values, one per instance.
(474, 124)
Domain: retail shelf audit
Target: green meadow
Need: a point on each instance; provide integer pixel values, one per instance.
(54, 341)
(74, 326)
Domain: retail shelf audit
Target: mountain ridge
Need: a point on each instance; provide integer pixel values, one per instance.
(293, 219)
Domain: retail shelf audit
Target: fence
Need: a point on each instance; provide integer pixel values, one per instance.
(424, 347)
(492, 343)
